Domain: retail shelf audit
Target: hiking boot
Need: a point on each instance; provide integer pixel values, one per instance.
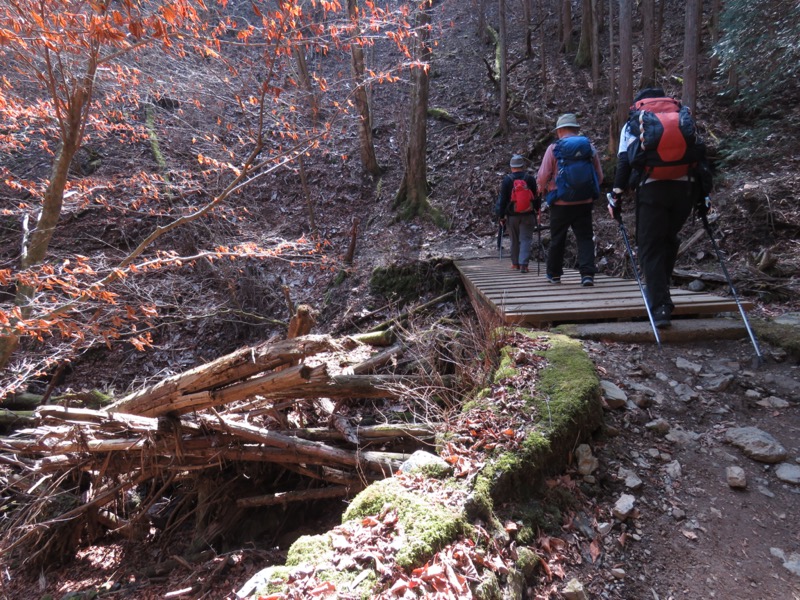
(515, 267)
(661, 316)
(553, 278)
(523, 268)
(587, 281)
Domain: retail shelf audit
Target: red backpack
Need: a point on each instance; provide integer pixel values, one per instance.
(522, 196)
(666, 137)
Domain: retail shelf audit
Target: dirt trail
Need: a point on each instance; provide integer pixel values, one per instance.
(691, 535)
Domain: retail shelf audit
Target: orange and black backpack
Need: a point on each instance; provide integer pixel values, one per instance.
(667, 145)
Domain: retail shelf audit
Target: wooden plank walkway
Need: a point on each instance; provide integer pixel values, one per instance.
(528, 298)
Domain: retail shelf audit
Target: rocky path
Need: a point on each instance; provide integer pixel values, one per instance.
(696, 493)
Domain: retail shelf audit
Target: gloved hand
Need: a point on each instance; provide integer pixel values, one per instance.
(615, 204)
(703, 206)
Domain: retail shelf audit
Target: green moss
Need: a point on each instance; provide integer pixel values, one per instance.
(410, 281)
(565, 406)
(317, 550)
(309, 549)
(275, 579)
(426, 525)
(489, 589)
(778, 334)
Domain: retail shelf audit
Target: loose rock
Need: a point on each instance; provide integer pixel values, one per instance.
(574, 591)
(736, 477)
(756, 444)
(788, 473)
(613, 395)
(587, 462)
(624, 506)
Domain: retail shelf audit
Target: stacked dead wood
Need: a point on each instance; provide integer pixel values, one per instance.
(232, 410)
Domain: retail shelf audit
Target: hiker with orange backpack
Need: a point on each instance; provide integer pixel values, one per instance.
(660, 157)
(517, 207)
(570, 176)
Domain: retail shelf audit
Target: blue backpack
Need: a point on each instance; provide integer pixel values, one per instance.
(576, 178)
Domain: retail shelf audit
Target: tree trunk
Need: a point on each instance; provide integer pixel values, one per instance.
(35, 246)
(542, 49)
(225, 370)
(412, 197)
(526, 15)
(312, 221)
(503, 71)
(691, 44)
(583, 58)
(614, 125)
(625, 61)
(595, 48)
(368, 159)
(648, 44)
(298, 51)
(567, 45)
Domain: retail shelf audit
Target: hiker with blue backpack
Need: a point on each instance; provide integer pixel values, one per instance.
(661, 159)
(517, 208)
(569, 178)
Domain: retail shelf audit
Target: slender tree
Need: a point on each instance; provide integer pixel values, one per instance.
(366, 145)
(625, 61)
(648, 44)
(567, 43)
(583, 57)
(412, 197)
(503, 51)
(691, 50)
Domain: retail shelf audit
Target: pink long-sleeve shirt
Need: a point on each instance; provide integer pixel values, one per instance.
(546, 176)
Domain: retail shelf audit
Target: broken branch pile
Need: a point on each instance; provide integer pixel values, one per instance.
(283, 406)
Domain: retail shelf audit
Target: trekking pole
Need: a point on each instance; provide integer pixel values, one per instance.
(539, 249)
(707, 227)
(636, 271)
(500, 231)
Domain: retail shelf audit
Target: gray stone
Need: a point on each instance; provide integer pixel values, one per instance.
(686, 393)
(788, 473)
(574, 591)
(791, 562)
(427, 462)
(787, 385)
(736, 477)
(587, 462)
(678, 514)
(681, 437)
(756, 444)
(623, 507)
(632, 480)
(773, 402)
(696, 285)
(660, 426)
(613, 395)
(790, 318)
(687, 365)
(718, 383)
(618, 573)
(604, 528)
(674, 469)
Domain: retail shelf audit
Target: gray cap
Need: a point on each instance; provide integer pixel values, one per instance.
(517, 162)
(567, 120)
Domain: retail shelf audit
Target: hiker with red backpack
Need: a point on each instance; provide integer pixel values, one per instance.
(662, 159)
(518, 207)
(570, 176)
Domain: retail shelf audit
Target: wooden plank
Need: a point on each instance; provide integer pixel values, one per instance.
(530, 298)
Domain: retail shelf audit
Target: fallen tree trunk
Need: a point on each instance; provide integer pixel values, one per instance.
(237, 366)
(375, 461)
(339, 491)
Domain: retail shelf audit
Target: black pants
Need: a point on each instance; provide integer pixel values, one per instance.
(579, 218)
(662, 209)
